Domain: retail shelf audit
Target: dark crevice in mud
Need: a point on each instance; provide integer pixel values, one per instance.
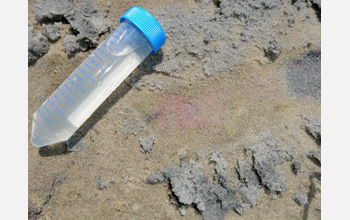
(73, 31)
(316, 54)
(55, 19)
(315, 161)
(312, 126)
(217, 3)
(52, 191)
(33, 211)
(311, 193)
(315, 157)
(317, 9)
(258, 176)
(317, 139)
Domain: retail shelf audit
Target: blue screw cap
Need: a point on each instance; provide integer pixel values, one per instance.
(148, 25)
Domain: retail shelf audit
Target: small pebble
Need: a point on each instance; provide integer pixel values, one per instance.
(125, 180)
(296, 166)
(301, 199)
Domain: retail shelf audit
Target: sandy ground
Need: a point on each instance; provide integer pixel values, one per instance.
(191, 117)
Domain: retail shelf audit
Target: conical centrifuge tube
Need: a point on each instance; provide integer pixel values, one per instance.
(73, 102)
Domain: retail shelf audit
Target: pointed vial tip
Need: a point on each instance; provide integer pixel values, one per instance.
(36, 141)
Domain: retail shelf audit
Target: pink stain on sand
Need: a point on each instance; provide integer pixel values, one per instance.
(204, 112)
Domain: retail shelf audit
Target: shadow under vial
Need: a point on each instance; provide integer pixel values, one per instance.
(145, 68)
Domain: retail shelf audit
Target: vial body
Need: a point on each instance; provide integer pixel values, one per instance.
(89, 85)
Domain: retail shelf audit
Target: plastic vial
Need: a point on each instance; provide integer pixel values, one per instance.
(138, 35)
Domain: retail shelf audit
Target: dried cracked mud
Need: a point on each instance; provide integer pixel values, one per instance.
(222, 123)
